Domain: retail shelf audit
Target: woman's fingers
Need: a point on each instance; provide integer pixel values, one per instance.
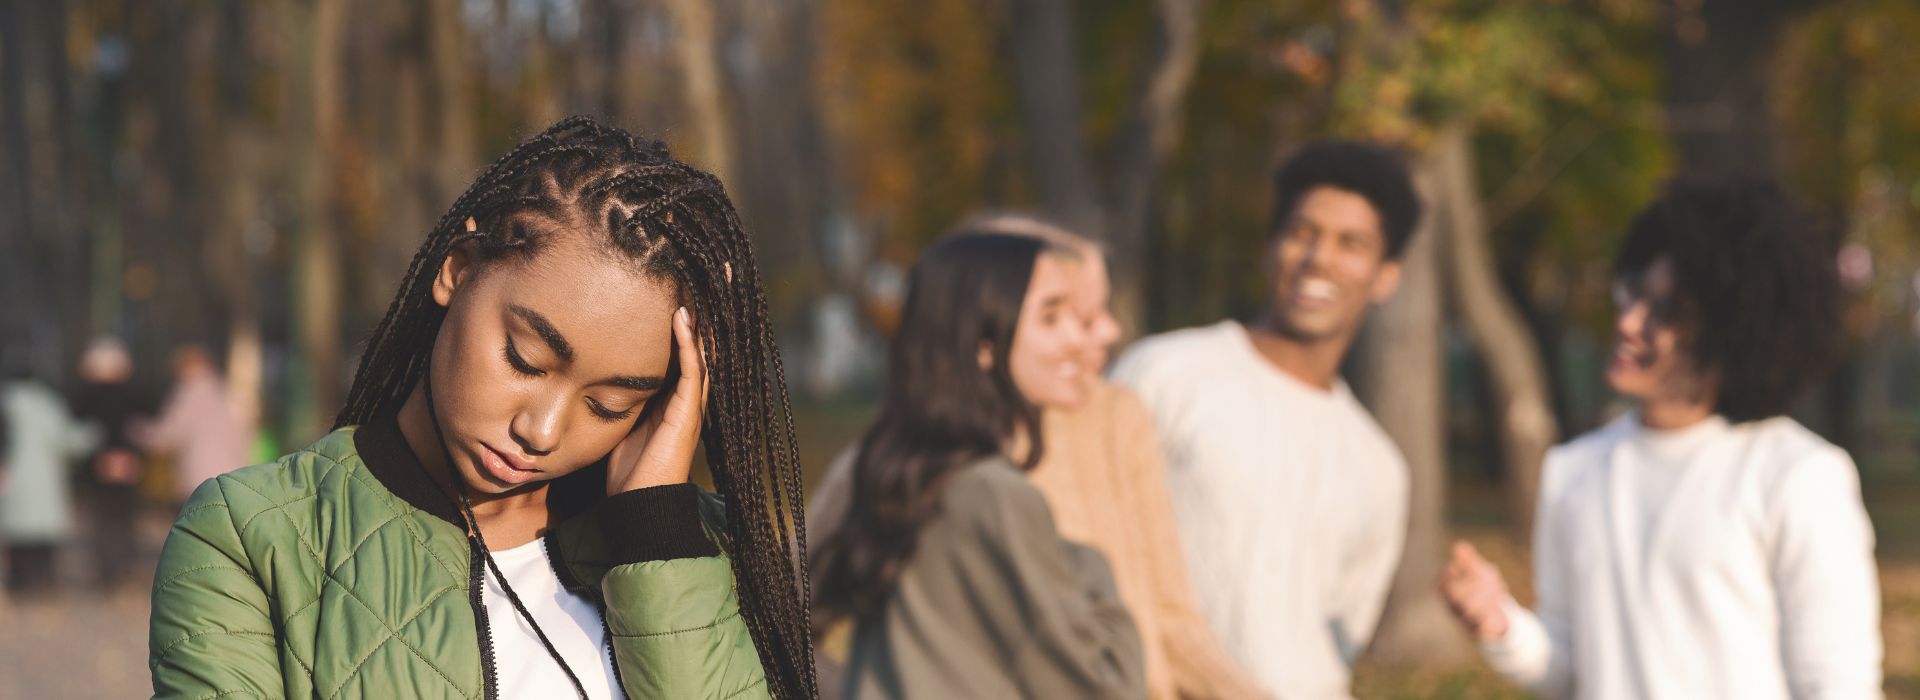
(668, 437)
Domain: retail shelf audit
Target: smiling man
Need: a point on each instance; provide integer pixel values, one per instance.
(1704, 544)
(1291, 500)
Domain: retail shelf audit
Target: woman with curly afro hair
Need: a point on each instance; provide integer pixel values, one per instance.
(1704, 545)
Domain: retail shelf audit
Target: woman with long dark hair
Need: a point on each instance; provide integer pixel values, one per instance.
(504, 508)
(948, 562)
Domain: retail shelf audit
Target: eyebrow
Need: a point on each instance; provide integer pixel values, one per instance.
(637, 383)
(546, 331)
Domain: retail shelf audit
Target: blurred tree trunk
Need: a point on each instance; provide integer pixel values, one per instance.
(696, 42)
(1400, 367)
(1153, 132)
(41, 235)
(236, 216)
(1524, 415)
(450, 71)
(68, 195)
(790, 198)
(17, 224)
(313, 129)
(1719, 83)
(1402, 381)
(1047, 80)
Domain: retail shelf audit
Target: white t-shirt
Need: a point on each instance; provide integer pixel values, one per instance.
(1714, 561)
(522, 666)
(1291, 504)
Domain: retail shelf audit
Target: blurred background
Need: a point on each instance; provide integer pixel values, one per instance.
(252, 177)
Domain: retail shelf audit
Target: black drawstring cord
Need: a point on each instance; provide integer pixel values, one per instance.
(475, 539)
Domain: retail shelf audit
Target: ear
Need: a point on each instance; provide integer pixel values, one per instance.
(1385, 281)
(453, 271)
(985, 356)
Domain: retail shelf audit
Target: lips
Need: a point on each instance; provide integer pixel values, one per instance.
(1625, 357)
(506, 468)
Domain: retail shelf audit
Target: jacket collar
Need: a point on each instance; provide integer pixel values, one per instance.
(391, 461)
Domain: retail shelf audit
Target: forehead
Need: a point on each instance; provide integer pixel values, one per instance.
(1654, 279)
(605, 308)
(1054, 275)
(1333, 207)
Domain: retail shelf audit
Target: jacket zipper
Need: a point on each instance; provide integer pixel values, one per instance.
(476, 579)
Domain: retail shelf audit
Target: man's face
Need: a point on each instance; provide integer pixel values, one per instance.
(1648, 361)
(1327, 264)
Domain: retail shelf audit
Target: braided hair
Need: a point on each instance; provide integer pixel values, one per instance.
(675, 223)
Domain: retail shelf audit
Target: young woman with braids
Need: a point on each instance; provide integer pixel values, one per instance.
(503, 510)
(945, 558)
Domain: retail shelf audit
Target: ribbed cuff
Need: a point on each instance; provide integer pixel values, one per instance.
(654, 524)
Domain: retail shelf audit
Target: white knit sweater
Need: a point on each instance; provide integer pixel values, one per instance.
(1291, 504)
(1715, 561)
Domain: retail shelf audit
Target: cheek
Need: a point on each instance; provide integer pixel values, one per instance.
(592, 438)
(1283, 256)
(1035, 351)
(467, 387)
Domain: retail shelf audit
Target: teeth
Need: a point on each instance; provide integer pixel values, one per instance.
(1317, 289)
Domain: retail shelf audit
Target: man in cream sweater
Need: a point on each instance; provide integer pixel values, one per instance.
(1703, 545)
(1291, 503)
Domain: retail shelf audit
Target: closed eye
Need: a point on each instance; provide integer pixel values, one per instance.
(608, 414)
(518, 363)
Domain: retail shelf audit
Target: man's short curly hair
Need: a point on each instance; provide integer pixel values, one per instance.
(1756, 291)
(1376, 173)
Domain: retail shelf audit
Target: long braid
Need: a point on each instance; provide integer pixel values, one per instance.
(677, 224)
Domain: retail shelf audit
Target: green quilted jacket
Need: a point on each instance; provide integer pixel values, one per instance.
(339, 572)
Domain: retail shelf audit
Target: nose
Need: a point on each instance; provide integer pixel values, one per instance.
(538, 426)
(1312, 246)
(1631, 319)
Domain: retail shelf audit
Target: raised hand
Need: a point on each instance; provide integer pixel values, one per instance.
(660, 449)
(1476, 592)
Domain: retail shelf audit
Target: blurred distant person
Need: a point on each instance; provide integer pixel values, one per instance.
(1104, 478)
(105, 398)
(1291, 500)
(198, 424)
(1703, 545)
(947, 560)
(36, 509)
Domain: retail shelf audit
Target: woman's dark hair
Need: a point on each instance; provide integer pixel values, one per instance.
(675, 222)
(942, 410)
(1374, 172)
(1756, 293)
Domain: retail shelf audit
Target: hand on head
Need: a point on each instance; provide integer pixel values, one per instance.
(1476, 593)
(660, 449)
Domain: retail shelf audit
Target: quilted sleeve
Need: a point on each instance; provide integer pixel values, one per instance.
(210, 634)
(670, 601)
